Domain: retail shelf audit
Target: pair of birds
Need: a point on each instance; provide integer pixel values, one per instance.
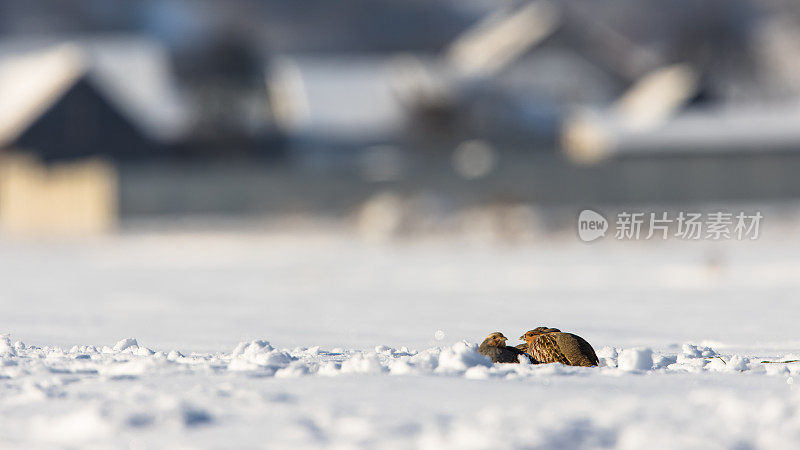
(542, 345)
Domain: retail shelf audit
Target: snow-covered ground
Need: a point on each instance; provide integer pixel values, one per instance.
(270, 340)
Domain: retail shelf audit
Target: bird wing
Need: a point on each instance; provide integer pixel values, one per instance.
(501, 354)
(588, 351)
(577, 351)
(545, 349)
(485, 347)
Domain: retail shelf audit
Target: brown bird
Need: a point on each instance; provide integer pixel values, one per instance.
(537, 330)
(494, 346)
(566, 348)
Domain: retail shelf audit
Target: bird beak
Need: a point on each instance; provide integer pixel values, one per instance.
(522, 338)
(504, 339)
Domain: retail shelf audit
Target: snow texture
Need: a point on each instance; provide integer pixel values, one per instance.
(221, 341)
(128, 393)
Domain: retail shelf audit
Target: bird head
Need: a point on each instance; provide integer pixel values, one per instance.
(531, 335)
(496, 339)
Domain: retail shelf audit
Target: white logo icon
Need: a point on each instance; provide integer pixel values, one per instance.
(591, 225)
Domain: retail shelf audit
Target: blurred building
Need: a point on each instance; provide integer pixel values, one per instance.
(263, 107)
(72, 198)
(111, 96)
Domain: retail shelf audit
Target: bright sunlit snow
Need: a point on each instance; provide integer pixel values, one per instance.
(265, 341)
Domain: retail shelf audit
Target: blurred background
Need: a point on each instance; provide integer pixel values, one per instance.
(390, 114)
(380, 119)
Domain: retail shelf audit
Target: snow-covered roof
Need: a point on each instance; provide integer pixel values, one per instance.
(30, 83)
(132, 73)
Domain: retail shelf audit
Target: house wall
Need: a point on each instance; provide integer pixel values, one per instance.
(78, 197)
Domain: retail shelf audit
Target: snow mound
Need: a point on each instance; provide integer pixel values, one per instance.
(7, 350)
(90, 398)
(258, 354)
(127, 359)
(125, 344)
(635, 359)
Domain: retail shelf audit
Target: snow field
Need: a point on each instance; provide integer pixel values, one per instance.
(129, 394)
(681, 330)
